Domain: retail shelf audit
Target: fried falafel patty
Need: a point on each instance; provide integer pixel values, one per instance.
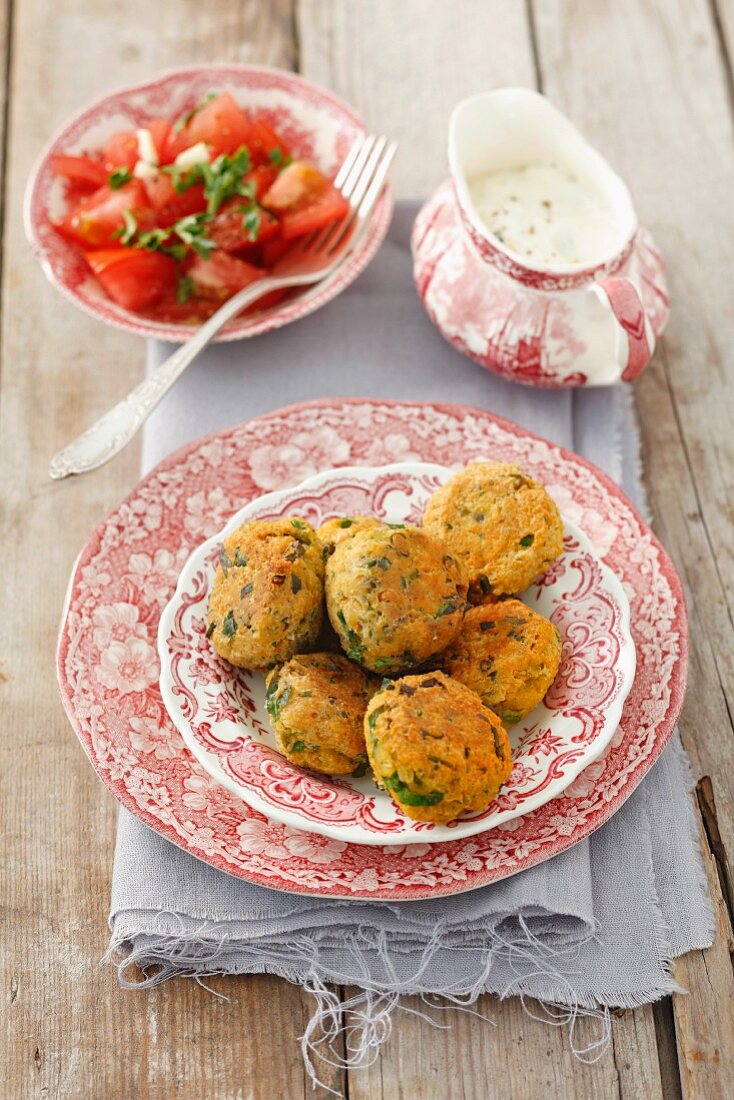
(266, 602)
(508, 654)
(436, 747)
(317, 703)
(395, 597)
(336, 530)
(502, 525)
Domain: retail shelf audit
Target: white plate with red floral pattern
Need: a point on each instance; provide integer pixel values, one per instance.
(127, 572)
(220, 710)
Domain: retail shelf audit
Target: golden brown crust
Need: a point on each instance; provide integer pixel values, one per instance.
(395, 597)
(334, 531)
(502, 525)
(317, 703)
(266, 602)
(508, 654)
(435, 747)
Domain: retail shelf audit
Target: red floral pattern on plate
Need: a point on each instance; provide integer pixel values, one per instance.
(221, 714)
(159, 789)
(311, 119)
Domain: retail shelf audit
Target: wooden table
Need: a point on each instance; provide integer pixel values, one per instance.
(650, 83)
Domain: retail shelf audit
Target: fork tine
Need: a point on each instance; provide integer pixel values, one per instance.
(361, 185)
(365, 195)
(343, 173)
(355, 171)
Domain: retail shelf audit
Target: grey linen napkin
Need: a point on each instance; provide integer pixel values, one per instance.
(596, 926)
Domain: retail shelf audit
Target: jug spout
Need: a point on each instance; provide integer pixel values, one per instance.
(503, 137)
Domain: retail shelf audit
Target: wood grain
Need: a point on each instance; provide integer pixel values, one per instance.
(667, 60)
(405, 65)
(69, 1031)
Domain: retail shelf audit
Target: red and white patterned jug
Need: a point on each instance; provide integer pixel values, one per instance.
(544, 324)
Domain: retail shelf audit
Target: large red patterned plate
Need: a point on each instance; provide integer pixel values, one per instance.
(220, 710)
(313, 121)
(126, 573)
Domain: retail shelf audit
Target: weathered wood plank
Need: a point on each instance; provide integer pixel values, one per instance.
(68, 1029)
(704, 1019)
(404, 67)
(654, 93)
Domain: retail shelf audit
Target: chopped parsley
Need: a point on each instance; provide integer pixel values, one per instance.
(346, 522)
(224, 560)
(184, 289)
(229, 626)
(246, 590)
(119, 178)
(296, 584)
(182, 122)
(411, 798)
(355, 648)
(278, 158)
(527, 540)
(127, 232)
(239, 558)
(446, 608)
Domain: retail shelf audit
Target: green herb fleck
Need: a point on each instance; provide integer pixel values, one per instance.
(211, 628)
(184, 289)
(246, 590)
(296, 584)
(229, 626)
(191, 231)
(298, 746)
(299, 524)
(119, 178)
(346, 523)
(395, 784)
(239, 559)
(355, 648)
(485, 585)
(278, 158)
(224, 560)
(251, 219)
(446, 608)
(127, 232)
(382, 663)
(527, 540)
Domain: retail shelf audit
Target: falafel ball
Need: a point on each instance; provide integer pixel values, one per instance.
(508, 654)
(502, 525)
(333, 531)
(436, 747)
(395, 597)
(266, 602)
(317, 703)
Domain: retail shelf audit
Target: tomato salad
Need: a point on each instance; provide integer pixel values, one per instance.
(176, 217)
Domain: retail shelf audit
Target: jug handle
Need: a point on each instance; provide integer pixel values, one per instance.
(635, 340)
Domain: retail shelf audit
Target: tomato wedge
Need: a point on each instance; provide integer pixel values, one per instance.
(232, 230)
(222, 275)
(133, 278)
(169, 204)
(304, 200)
(265, 145)
(262, 179)
(221, 124)
(121, 150)
(81, 170)
(96, 220)
(162, 136)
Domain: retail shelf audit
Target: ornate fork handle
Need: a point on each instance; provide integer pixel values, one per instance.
(116, 428)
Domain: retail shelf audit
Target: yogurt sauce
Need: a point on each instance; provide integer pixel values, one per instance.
(544, 213)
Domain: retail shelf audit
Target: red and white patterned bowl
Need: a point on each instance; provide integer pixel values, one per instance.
(315, 123)
(127, 572)
(221, 715)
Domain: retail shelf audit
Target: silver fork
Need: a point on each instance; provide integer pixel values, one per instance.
(360, 180)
